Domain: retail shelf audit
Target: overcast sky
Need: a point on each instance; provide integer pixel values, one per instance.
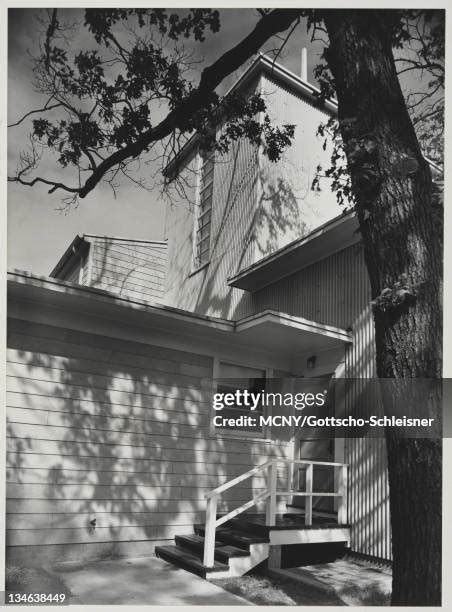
(38, 233)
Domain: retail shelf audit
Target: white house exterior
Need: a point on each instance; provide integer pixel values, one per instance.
(111, 447)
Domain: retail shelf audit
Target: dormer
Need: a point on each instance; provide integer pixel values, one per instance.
(131, 268)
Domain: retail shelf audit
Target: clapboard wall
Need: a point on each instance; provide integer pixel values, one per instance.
(113, 430)
(135, 269)
(131, 268)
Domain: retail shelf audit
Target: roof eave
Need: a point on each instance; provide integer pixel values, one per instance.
(333, 236)
(72, 249)
(262, 63)
(267, 331)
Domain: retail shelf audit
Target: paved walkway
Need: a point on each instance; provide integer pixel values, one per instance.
(139, 581)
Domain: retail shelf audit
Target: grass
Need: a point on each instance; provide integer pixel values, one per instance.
(261, 590)
(371, 595)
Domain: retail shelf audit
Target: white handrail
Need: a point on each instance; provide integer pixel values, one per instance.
(242, 508)
(309, 462)
(232, 483)
(270, 494)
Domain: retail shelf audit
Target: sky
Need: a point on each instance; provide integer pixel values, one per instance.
(38, 230)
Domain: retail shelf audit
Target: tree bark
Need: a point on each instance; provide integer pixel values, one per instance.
(403, 250)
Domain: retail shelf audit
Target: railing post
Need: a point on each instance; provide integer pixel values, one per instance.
(308, 502)
(342, 490)
(209, 534)
(290, 472)
(270, 517)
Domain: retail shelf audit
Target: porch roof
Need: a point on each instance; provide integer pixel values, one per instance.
(329, 238)
(43, 298)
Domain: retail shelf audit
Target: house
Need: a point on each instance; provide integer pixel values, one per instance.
(114, 358)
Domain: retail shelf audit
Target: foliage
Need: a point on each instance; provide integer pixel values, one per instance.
(418, 40)
(337, 173)
(392, 298)
(109, 98)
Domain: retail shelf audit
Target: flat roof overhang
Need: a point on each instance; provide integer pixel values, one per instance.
(329, 238)
(286, 332)
(268, 330)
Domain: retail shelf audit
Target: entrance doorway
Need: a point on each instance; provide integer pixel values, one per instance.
(316, 444)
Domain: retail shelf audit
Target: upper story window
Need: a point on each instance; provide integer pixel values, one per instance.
(204, 210)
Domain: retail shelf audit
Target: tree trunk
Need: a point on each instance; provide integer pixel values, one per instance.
(403, 250)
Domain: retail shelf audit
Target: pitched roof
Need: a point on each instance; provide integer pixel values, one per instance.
(283, 76)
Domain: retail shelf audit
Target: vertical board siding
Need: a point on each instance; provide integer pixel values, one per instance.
(288, 208)
(115, 430)
(205, 291)
(336, 291)
(258, 207)
(73, 275)
(368, 486)
(85, 271)
(133, 269)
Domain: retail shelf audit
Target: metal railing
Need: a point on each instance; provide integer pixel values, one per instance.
(271, 494)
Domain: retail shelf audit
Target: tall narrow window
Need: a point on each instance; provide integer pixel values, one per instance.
(204, 212)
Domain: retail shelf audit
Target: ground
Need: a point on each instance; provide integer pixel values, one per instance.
(34, 580)
(347, 581)
(151, 581)
(139, 581)
(262, 590)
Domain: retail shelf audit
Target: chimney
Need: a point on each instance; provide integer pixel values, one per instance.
(304, 64)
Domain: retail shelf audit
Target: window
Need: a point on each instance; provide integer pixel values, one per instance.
(233, 377)
(204, 210)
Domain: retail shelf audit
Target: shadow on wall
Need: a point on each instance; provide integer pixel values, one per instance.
(280, 216)
(247, 227)
(129, 269)
(108, 444)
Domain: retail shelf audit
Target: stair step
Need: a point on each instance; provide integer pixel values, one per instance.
(234, 537)
(248, 525)
(315, 512)
(223, 552)
(187, 560)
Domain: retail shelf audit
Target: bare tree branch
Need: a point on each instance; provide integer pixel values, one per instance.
(53, 184)
(272, 22)
(286, 40)
(38, 110)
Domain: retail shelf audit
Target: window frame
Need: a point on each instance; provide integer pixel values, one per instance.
(215, 432)
(197, 263)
